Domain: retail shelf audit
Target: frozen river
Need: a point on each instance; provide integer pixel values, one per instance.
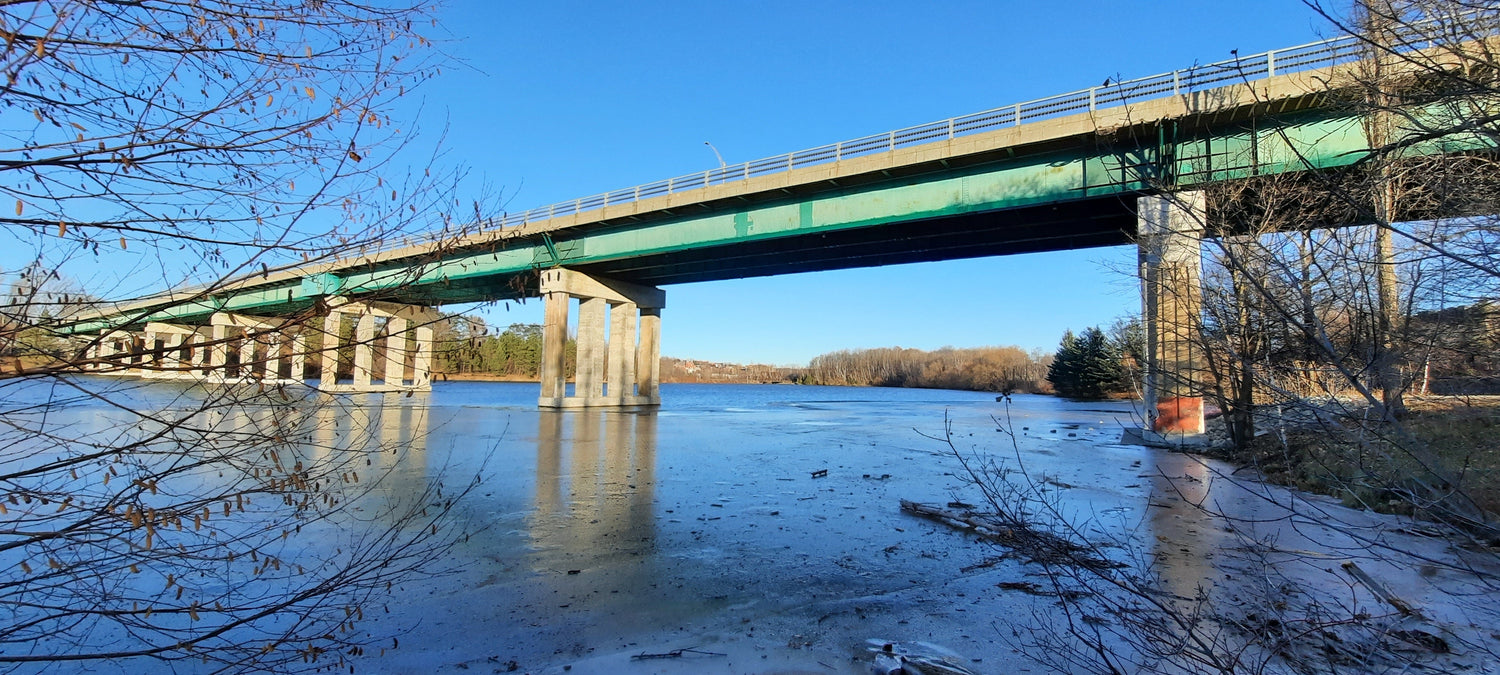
(759, 528)
(610, 534)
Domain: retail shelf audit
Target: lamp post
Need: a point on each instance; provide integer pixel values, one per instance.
(722, 165)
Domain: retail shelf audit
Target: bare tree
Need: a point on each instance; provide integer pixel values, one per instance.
(184, 145)
(1327, 293)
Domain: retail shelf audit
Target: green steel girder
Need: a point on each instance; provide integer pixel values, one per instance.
(1090, 168)
(1025, 181)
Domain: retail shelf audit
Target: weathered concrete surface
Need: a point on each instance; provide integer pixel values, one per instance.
(1171, 229)
(274, 351)
(618, 338)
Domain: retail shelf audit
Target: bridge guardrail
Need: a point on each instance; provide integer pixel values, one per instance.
(1309, 56)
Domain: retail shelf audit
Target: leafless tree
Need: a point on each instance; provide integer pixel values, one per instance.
(1327, 296)
(184, 145)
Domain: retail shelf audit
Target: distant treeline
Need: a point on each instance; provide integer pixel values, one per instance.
(693, 370)
(466, 346)
(1000, 369)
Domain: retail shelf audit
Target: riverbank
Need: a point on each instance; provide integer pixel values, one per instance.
(1328, 448)
(482, 377)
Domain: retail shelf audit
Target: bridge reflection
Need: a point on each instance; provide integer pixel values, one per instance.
(1187, 538)
(595, 482)
(381, 436)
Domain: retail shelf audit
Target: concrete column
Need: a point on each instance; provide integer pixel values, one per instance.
(364, 350)
(132, 351)
(1170, 230)
(148, 359)
(172, 358)
(247, 353)
(273, 356)
(648, 356)
(622, 320)
(298, 357)
(199, 357)
(91, 356)
(395, 351)
(124, 351)
(554, 347)
(422, 362)
(330, 349)
(218, 353)
(105, 350)
(590, 380)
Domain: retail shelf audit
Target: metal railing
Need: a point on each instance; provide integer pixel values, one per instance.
(1178, 82)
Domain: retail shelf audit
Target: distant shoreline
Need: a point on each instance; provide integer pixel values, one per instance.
(498, 377)
(482, 377)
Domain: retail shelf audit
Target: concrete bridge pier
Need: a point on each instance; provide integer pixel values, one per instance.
(172, 340)
(259, 348)
(1170, 231)
(392, 348)
(403, 336)
(112, 351)
(631, 352)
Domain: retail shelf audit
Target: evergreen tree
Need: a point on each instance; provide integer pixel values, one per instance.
(1063, 373)
(1086, 366)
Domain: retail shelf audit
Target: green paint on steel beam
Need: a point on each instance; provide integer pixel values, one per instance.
(321, 284)
(1088, 170)
(1027, 181)
(551, 250)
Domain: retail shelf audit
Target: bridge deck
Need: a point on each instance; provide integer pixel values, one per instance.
(1058, 183)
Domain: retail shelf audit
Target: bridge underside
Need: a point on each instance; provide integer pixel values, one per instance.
(1108, 221)
(1068, 183)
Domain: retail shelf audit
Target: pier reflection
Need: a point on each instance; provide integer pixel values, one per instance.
(381, 436)
(1187, 539)
(595, 477)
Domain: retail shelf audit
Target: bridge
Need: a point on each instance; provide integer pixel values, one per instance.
(1109, 165)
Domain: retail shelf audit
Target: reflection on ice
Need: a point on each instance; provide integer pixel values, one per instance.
(1183, 539)
(595, 476)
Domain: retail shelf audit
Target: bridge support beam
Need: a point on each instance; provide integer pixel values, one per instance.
(235, 348)
(174, 339)
(402, 334)
(621, 369)
(1170, 229)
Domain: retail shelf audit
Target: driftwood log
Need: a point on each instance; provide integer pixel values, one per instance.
(959, 520)
(1035, 545)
